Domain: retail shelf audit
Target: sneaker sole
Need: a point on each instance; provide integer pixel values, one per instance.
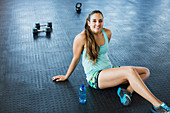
(125, 99)
(153, 111)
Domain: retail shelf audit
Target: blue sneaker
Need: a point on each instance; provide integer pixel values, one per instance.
(125, 96)
(163, 108)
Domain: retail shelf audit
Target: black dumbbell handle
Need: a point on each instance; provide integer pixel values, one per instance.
(43, 30)
(43, 24)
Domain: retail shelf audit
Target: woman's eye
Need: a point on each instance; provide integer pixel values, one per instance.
(100, 21)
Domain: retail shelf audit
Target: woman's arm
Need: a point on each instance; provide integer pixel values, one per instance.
(77, 50)
(78, 46)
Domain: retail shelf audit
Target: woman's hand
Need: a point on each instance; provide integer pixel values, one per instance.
(59, 78)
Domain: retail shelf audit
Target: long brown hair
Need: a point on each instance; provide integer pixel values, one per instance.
(92, 49)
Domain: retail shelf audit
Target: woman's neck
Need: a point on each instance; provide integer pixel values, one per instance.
(97, 34)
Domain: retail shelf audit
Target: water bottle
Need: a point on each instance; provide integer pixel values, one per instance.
(82, 94)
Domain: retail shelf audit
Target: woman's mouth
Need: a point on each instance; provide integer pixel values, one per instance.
(97, 27)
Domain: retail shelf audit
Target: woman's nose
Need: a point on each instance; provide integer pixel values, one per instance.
(97, 23)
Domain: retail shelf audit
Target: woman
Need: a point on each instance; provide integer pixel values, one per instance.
(92, 44)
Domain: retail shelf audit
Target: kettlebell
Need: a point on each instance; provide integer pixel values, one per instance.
(78, 7)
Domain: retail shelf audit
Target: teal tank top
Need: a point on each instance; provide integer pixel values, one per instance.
(103, 61)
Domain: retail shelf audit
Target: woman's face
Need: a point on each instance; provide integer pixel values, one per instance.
(96, 22)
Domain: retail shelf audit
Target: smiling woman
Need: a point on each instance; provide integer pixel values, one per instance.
(92, 44)
(94, 35)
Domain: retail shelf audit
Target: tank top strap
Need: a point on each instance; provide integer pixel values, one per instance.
(105, 36)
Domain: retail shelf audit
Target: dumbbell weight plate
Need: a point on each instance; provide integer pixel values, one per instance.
(48, 30)
(35, 31)
(37, 25)
(49, 24)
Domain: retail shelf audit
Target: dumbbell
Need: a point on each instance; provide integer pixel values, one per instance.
(38, 25)
(78, 7)
(36, 31)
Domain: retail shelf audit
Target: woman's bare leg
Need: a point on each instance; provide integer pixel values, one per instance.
(116, 76)
(143, 72)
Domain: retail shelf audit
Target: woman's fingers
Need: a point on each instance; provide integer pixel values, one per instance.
(55, 78)
(58, 78)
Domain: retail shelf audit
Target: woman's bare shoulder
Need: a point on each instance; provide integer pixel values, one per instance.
(108, 32)
(81, 37)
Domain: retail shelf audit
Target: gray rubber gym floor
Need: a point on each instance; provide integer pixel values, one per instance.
(141, 37)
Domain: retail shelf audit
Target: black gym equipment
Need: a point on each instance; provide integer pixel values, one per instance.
(38, 25)
(78, 7)
(36, 31)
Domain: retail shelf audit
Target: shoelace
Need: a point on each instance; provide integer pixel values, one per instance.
(165, 107)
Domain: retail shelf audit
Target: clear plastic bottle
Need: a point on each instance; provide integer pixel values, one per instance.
(82, 94)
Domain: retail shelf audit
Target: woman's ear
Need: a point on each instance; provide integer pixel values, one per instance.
(88, 23)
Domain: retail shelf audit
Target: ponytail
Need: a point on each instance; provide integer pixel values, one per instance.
(91, 45)
(92, 49)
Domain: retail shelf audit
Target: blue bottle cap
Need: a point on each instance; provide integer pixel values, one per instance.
(82, 85)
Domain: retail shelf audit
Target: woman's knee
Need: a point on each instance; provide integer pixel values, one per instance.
(130, 71)
(144, 73)
(133, 71)
(147, 71)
